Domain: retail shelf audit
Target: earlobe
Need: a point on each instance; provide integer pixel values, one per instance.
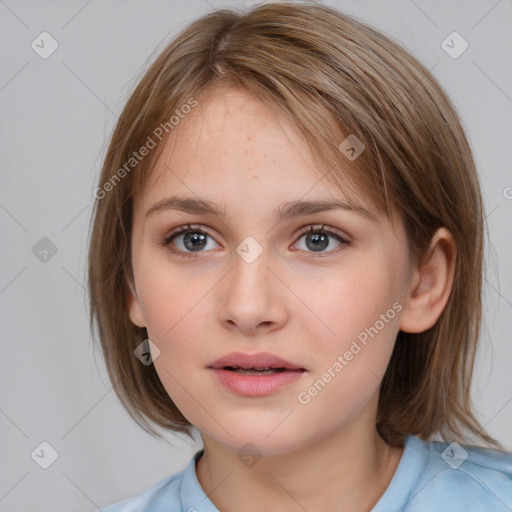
(134, 310)
(431, 284)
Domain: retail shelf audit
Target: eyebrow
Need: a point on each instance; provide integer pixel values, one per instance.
(285, 211)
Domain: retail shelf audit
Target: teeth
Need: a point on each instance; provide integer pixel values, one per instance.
(240, 368)
(254, 371)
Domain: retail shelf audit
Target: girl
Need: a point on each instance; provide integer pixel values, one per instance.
(286, 255)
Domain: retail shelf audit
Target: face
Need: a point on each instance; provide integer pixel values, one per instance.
(329, 302)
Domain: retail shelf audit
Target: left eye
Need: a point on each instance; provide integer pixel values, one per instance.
(317, 240)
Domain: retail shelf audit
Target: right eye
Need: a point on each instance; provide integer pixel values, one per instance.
(194, 239)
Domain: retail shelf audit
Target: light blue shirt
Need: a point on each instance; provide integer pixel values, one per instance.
(431, 477)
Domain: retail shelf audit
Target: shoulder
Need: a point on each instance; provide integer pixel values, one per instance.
(459, 477)
(163, 496)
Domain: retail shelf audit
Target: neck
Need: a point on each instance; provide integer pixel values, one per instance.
(348, 470)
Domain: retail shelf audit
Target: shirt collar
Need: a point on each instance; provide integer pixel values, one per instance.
(413, 461)
(192, 496)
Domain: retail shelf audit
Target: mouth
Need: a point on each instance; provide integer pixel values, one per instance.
(256, 375)
(262, 363)
(255, 371)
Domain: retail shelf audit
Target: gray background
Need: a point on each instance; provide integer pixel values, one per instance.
(56, 116)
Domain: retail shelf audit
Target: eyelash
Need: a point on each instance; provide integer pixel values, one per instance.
(187, 228)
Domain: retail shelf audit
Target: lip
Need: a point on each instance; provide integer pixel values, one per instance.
(259, 360)
(255, 385)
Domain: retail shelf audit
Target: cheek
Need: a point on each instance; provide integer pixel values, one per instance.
(174, 302)
(179, 315)
(347, 301)
(175, 324)
(355, 318)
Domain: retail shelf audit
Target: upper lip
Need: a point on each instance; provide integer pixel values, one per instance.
(259, 360)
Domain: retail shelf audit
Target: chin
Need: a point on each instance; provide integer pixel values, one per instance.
(258, 442)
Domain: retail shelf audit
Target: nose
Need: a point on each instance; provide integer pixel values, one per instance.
(252, 298)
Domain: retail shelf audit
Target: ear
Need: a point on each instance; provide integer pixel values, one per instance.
(431, 284)
(134, 309)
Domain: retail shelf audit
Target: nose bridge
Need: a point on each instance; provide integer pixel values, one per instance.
(249, 298)
(250, 265)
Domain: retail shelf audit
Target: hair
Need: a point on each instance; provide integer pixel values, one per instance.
(331, 75)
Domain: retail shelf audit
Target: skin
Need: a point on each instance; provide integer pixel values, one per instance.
(327, 454)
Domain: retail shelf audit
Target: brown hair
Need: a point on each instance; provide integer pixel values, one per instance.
(331, 75)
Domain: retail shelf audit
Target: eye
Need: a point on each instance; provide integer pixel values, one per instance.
(316, 240)
(194, 239)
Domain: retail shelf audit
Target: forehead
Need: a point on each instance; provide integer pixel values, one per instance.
(231, 145)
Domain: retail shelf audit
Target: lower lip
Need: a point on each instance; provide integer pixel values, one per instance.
(256, 385)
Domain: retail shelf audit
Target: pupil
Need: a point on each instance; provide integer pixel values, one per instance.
(320, 241)
(197, 240)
